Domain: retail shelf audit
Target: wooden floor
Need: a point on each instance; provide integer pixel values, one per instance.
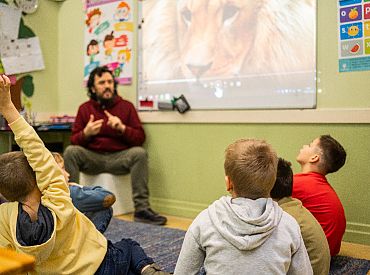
(172, 222)
(347, 249)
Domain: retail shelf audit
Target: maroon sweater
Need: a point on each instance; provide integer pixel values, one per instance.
(108, 139)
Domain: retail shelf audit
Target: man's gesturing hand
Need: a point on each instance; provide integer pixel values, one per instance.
(93, 127)
(115, 122)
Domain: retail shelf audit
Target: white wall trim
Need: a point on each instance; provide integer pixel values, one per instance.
(354, 116)
(260, 116)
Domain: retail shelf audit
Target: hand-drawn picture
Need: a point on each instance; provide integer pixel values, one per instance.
(108, 45)
(92, 49)
(108, 37)
(123, 12)
(93, 19)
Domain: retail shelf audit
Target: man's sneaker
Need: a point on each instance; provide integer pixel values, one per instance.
(149, 216)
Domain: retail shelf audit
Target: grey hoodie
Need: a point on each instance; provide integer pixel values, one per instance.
(243, 236)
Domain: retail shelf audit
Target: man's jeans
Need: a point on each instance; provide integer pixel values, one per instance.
(133, 160)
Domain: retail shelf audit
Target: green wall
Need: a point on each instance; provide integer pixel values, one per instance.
(186, 160)
(43, 23)
(188, 174)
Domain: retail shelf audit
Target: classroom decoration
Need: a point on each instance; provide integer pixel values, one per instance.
(354, 35)
(20, 52)
(25, 31)
(21, 55)
(9, 21)
(232, 56)
(20, 49)
(108, 37)
(27, 86)
(27, 6)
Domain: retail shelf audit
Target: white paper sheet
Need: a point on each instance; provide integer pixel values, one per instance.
(10, 18)
(21, 55)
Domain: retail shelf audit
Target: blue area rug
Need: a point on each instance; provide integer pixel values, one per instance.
(161, 243)
(164, 244)
(341, 265)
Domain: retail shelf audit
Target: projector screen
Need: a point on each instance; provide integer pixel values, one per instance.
(228, 54)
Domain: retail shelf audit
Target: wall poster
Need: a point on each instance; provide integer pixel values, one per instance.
(354, 35)
(109, 30)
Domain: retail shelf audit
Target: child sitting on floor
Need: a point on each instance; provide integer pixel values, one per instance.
(312, 233)
(247, 232)
(40, 219)
(94, 201)
(322, 156)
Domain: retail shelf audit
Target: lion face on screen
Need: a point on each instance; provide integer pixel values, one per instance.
(225, 38)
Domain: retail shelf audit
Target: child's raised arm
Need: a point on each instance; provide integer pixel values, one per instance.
(49, 177)
(7, 108)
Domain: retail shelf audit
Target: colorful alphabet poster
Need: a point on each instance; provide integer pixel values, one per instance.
(354, 35)
(109, 37)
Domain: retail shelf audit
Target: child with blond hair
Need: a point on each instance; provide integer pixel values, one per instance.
(247, 232)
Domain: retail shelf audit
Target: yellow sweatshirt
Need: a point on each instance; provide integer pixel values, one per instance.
(75, 246)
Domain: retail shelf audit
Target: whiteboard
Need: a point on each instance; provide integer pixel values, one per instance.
(241, 54)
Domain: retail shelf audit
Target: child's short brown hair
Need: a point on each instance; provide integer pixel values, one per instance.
(251, 165)
(17, 179)
(334, 155)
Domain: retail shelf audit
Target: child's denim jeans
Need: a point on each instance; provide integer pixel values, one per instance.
(89, 200)
(125, 257)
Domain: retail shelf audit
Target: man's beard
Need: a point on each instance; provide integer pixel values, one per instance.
(105, 102)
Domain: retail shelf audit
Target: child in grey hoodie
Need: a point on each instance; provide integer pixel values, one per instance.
(247, 232)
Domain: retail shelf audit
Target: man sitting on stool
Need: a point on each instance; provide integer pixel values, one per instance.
(107, 137)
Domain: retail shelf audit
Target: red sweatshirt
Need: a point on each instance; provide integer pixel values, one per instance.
(108, 139)
(320, 199)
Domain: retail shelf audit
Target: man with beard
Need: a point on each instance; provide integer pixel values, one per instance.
(107, 137)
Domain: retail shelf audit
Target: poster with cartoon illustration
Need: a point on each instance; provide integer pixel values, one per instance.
(109, 37)
(354, 35)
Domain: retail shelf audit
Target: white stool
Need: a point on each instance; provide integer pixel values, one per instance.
(120, 186)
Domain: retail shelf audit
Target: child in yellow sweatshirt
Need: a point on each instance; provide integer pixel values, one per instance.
(40, 219)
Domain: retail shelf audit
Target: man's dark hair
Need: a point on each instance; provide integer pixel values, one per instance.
(334, 155)
(99, 71)
(284, 180)
(17, 179)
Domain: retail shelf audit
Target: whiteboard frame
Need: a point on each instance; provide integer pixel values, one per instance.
(140, 21)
